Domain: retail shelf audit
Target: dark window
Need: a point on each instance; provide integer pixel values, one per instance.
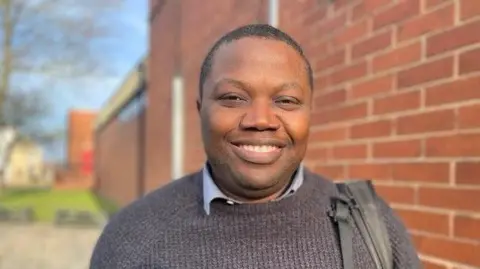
(133, 108)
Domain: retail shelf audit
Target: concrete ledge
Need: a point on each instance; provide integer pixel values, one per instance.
(133, 83)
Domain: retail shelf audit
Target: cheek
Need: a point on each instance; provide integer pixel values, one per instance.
(298, 128)
(219, 123)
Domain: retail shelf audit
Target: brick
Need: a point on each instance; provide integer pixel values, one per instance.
(421, 172)
(449, 249)
(371, 129)
(434, 21)
(372, 87)
(468, 117)
(321, 82)
(457, 145)
(450, 198)
(314, 16)
(349, 73)
(367, 6)
(397, 149)
(372, 44)
(455, 38)
(313, 48)
(330, 99)
(397, 102)
(467, 227)
(431, 265)
(396, 194)
(339, 5)
(340, 114)
(469, 62)
(429, 4)
(331, 25)
(452, 92)
(349, 152)
(398, 57)
(317, 154)
(330, 171)
(81, 125)
(330, 61)
(117, 157)
(329, 135)
(422, 221)
(469, 9)
(426, 72)
(306, 5)
(321, 48)
(440, 120)
(351, 34)
(372, 5)
(403, 10)
(467, 173)
(370, 171)
(358, 12)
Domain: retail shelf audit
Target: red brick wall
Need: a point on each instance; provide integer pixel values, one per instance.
(118, 159)
(80, 131)
(397, 99)
(160, 72)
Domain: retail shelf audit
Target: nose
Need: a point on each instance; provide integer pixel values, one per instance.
(260, 116)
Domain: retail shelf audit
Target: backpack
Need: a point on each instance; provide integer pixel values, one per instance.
(357, 206)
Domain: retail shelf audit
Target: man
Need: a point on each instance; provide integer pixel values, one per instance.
(253, 205)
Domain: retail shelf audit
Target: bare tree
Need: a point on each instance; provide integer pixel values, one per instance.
(26, 112)
(49, 39)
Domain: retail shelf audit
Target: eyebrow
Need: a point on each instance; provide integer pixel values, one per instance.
(236, 83)
(243, 85)
(289, 85)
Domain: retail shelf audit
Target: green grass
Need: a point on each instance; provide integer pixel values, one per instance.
(45, 202)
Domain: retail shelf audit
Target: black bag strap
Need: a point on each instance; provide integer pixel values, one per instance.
(341, 216)
(362, 203)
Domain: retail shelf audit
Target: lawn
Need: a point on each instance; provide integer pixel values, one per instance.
(45, 202)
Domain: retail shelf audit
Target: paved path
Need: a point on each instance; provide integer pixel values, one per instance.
(42, 246)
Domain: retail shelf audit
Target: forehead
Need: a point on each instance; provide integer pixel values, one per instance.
(253, 59)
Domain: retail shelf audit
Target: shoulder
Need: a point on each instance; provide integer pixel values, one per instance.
(325, 185)
(403, 250)
(129, 233)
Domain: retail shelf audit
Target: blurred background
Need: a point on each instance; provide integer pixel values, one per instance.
(97, 108)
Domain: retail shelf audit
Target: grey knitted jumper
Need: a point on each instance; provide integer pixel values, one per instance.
(169, 228)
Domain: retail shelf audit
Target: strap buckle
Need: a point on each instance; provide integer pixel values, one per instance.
(341, 209)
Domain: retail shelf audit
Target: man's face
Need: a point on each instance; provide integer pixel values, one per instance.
(255, 115)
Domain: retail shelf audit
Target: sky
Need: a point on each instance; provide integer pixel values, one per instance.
(130, 28)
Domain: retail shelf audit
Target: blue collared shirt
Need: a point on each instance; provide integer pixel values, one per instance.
(211, 191)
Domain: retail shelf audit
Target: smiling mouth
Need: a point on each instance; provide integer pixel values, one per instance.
(259, 148)
(258, 153)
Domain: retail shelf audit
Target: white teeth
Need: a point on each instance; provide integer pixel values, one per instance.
(262, 148)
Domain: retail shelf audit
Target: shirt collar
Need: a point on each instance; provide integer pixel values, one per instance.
(211, 191)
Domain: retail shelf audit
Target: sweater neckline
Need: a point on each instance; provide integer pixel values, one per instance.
(298, 200)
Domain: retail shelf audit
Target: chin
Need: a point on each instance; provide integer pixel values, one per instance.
(258, 179)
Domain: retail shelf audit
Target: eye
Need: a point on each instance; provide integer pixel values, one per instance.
(232, 100)
(287, 102)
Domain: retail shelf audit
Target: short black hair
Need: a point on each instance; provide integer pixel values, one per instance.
(264, 31)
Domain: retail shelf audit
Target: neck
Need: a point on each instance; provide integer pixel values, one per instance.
(292, 202)
(255, 200)
(254, 196)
